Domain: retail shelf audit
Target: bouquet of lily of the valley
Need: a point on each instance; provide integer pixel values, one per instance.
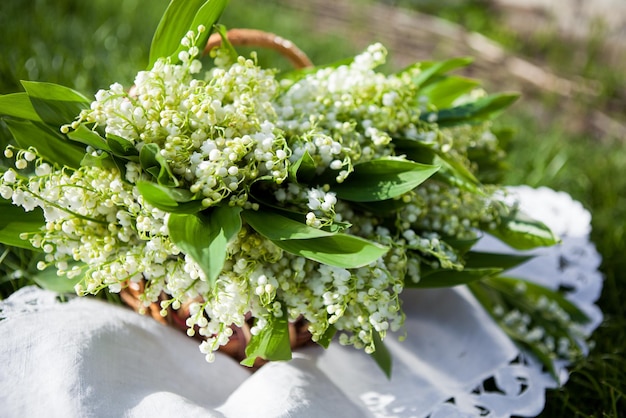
(241, 195)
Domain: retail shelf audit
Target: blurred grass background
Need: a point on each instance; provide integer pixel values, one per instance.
(573, 142)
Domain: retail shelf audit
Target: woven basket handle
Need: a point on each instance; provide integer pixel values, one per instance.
(254, 37)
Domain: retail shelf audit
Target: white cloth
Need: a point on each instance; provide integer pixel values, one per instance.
(87, 358)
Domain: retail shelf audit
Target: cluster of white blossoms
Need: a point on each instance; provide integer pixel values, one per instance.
(450, 211)
(219, 136)
(216, 134)
(344, 114)
(536, 326)
(97, 225)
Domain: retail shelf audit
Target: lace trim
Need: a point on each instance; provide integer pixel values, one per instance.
(518, 389)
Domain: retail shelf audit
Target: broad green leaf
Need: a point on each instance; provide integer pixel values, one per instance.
(462, 245)
(478, 259)
(443, 93)
(448, 278)
(169, 199)
(208, 15)
(523, 233)
(457, 167)
(415, 149)
(431, 69)
(122, 147)
(50, 280)
(180, 17)
(154, 163)
(326, 339)
(339, 250)
(452, 172)
(382, 208)
(174, 24)
(383, 179)
(277, 227)
(51, 145)
(303, 170)
(103, 160)
(15, 221)
(335, 249)
(267, 204)
(381, 355)
(480, 110)
(18, 105)
(272, 343)
(204, 237)
(55, 104)
(86, 136)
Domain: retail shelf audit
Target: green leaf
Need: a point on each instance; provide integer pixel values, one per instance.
(180, 17)
(381, 355)
(383, 179)
(55, 104)
(459, 169)
(277, 227)
(51, 145)
(448, 278)
(15, 221)
(382, 208)
(86, 136)
(453, 171)
(204, 237)
(335, 249)
(122, 147)
(103, 160)
(303, 170)
(272, 343)
(18, 105)
(169, 199)
(523, 233)
(326, 339)
(429, 69)
(50, 280)
(207, 15)
(480, 110)
(154, 163)
(267, 204)
(415, 149)
(462, 246)
(173, 26)
(443, 93)
(339, 250)
(478, 259)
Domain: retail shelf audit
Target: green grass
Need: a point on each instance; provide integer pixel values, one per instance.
(102, 41)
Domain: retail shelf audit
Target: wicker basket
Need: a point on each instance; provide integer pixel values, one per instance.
(130, 295)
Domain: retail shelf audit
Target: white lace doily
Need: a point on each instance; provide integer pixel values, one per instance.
(89, 358)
